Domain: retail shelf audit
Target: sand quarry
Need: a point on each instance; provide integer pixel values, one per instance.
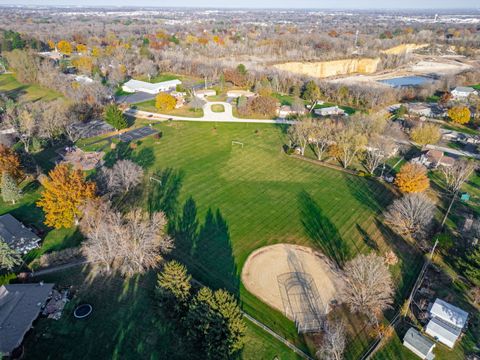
(265, 266)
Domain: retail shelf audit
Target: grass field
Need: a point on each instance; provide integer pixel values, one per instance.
(218, 108)
(243, 199)
(185, 111)
(24, 92)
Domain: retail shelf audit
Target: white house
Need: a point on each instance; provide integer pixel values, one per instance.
(133, 86)
(239, 93)
(83, 79)
(205, 93)
(286, 110)
(332, 110)
(419, 344)
(446, 323)
(463, 92)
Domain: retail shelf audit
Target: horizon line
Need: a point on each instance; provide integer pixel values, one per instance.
(231, 8)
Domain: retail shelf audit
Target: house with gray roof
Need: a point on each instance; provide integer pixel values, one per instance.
(446, 322)
(419, 344)
(20, 305)
(463, 92)
(16, 235)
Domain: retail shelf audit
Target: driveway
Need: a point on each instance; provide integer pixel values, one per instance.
(208, 116)
(227, 115)
(135, 98)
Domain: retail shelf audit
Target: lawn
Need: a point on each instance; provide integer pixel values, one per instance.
(348, 110)
(125, 324)
(185, 111)
(246, 198)
(218, 108)
(476, 86)
(30, 215)
(25, 92)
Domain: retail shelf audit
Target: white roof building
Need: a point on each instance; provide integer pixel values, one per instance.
(133, 86)
(204, 93)
(447, 322)
(419, 344)
(463, 92)
(332, 110)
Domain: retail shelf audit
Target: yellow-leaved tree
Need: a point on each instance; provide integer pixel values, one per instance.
(426, 134)
(459, 114)
(65, 192)
(81, 48)
(165, 102)
(412, 178)
(64, 47)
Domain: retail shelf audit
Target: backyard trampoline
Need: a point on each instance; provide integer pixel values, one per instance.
(82, 311)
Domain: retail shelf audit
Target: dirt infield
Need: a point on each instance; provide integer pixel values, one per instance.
(264, 267)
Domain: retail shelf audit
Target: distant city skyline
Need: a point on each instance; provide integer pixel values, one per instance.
(298, 4)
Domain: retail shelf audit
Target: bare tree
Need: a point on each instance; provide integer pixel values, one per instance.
(378, 150)
(455, 177)
(147, 67)
(123, 176)
(411, 215)
(369, 287)
(299, 133)
(132, 243)
(196, 103)
(321, 137)
(334, 341)
(144, 243)
(349, 143)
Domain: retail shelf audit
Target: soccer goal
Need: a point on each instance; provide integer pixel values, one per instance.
(238, 143)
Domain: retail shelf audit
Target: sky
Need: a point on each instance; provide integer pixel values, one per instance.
(325, 4)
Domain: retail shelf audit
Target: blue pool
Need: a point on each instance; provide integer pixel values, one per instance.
(406, 81)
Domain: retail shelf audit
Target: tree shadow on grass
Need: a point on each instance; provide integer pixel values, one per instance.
(321, 231)
(214, 263)
(369, 192)
(122, 151)
(185, 231)
(125, 322)
(163, 190)
(145, 157)
(410, 257)
(369, 241)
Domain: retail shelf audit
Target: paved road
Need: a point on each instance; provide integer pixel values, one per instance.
(209, 116)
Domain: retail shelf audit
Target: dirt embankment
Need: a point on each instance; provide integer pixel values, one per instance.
(404, 48)
(323, 69)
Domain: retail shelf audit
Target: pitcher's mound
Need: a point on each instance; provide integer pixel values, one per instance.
(293, 279)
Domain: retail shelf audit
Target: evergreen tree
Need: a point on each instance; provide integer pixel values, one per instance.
(115, 117)
(9, 258)
(311, 92)
(10, 190)
(174, 282)
(214, 322)
(471, 266)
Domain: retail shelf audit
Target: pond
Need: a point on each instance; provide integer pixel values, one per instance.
(406, 81)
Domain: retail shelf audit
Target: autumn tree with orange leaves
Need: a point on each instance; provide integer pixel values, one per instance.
(10, 163)
(65, 192)
(412, 178)
(64, 47)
